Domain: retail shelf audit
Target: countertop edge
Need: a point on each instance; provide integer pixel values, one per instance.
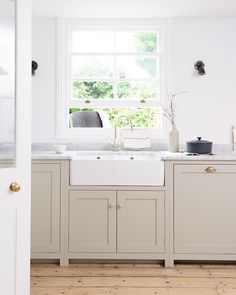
(164, 155)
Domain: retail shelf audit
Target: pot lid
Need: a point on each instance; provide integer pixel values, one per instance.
(199, 141)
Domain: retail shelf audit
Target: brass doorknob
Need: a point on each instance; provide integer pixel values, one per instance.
(14, 187)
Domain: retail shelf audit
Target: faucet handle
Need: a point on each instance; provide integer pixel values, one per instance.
(116, 146)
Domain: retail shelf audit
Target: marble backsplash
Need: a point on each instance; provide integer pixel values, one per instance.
(93, 146)
(87, 146)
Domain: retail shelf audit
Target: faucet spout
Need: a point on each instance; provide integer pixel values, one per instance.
(128, 119)
(115, 144)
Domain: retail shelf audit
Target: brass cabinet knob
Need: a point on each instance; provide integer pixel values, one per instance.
(210, 169)
(120, 206)
(112, 205)
(14, 187)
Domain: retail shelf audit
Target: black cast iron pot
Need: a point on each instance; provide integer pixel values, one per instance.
(199, 146)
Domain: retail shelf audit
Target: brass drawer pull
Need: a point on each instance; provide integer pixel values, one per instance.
(87, 101)
(210, 169)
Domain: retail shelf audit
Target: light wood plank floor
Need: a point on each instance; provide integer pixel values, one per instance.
(133, 279)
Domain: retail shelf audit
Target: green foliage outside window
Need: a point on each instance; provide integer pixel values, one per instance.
(146, 42)
(140, 117)
(104, 90)
(92, 89)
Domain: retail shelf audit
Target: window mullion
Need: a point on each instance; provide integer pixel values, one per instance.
(111, 80)
(102, 103)
(115, 69)
(140, 54)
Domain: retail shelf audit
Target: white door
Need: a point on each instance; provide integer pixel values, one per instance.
(15, 81)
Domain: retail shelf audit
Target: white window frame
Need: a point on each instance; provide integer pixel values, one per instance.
(63, 101)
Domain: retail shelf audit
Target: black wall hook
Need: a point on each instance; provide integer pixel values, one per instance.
(199, 66)
(34, 67)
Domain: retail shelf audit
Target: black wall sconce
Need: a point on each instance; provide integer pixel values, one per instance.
(34, 67)
(199, 66)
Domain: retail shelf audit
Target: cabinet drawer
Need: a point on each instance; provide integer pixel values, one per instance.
(208, 168)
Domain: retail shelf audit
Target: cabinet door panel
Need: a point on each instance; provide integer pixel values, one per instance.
(204, 209)
(140, 221)
(92, 221)
(45, 208)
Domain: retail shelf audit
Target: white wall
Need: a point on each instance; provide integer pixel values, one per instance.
(133, 8)
(209, 107)
(44, 82)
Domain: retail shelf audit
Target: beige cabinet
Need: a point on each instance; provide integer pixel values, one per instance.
(45, 208)
(116, 221)
(140, 221)
(92, 221)
(205, 209)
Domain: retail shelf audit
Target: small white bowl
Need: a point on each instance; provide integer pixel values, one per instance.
(59, 148)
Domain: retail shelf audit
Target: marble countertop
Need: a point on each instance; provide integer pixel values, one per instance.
(164, 155)
(51, 155)
(219, 156)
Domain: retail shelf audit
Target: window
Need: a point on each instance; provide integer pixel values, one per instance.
(110, 70)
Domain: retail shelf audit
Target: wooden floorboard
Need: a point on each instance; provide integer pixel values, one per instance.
(133, 279)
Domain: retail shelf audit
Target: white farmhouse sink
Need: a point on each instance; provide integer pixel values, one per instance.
(117, 168)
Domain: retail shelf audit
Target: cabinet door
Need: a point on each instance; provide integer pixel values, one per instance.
(205, 209)
(45, 208)
(140, 221)
(92, 221)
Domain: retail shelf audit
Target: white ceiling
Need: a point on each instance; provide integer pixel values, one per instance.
(133, 8)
